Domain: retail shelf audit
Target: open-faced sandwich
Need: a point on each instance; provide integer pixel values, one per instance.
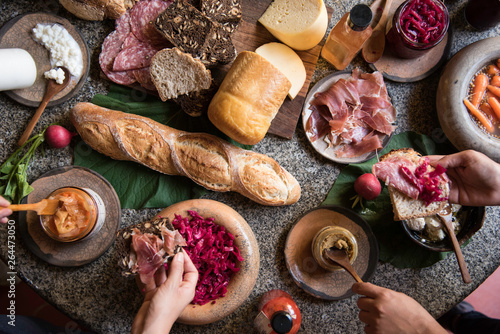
(416, 188)
(145, 247)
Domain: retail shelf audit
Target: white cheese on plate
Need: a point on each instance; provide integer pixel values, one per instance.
(300, 24)
(288, 62)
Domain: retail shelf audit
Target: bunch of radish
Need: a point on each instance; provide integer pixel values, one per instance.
(367, 187)
(57, 136)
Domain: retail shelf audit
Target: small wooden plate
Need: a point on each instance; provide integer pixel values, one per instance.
(411, 70)
(17, 33)
(78, 253)
(306, 272)
(241, 284)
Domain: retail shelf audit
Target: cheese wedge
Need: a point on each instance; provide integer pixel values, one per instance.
(288, 62)
(300, 24)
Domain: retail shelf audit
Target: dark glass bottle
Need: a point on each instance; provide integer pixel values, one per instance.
(278, 314)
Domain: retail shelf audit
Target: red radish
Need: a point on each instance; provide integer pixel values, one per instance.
(57, 136)
(367, 186)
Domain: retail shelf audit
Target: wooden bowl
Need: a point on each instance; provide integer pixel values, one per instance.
(454, 118)
(242, 282)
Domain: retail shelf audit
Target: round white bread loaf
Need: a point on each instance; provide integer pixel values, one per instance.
(249, 98)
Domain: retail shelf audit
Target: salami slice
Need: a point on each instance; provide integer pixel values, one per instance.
(122, 24)
(134, 57)
(110, 48)
(144, 78)
(131, 40)
(142, 17)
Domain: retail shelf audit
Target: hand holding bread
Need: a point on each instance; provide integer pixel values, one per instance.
(208, 160)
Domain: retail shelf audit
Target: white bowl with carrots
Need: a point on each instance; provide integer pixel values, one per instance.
(468, 98)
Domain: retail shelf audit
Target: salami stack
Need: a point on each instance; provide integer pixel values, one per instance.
(127, 52)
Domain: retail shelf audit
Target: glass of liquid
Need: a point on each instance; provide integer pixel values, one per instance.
(482, 14)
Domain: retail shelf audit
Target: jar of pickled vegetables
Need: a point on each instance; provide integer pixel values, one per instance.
(81, 213)
(417, 27)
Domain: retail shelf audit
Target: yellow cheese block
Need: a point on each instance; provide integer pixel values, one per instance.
(300, 24)
(288, 62)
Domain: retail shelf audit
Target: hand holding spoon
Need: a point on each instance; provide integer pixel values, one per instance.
(44, 207)
(340, 257)
(445, 216)
(375, 45)
(52, 89)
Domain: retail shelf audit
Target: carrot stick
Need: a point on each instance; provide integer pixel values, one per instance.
(480, 84)
(495, 81)
(480, 116)
(488, 110)
(495, 105)
(492, 70)
(494, 89)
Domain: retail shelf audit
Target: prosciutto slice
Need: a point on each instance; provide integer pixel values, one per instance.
(353, 115)
(391, 173)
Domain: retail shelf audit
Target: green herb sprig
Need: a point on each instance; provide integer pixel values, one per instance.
(13, 179)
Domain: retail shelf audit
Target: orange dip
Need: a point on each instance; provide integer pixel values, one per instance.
(75, 217)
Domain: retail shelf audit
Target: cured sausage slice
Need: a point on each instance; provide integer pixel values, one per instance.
(142, 17)
(134, 57)
(110, 48)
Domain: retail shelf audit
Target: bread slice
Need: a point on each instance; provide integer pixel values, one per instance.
(176, 73)
(193, 32)
(123, 244)
(226, 12)
(196, 103)
(405, 207)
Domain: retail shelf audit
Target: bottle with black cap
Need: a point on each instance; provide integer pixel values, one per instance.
(348, 36)
(278, 314)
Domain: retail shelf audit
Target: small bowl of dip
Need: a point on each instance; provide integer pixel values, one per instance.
(80, 214)
(337, 237)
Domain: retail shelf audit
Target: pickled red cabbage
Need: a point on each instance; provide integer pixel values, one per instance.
(423, 21)
(213, 252)
(426, 182)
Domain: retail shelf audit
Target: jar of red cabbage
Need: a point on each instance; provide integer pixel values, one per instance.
(417, 27)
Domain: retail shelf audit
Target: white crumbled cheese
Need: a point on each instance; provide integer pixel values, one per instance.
(432, 226)
(434, 229)
(416, 224)
(64, 50)
(56, 74)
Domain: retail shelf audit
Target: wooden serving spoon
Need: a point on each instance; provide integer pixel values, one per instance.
(445, 216)
(340, 257)
(374, 47)
(52, 89)
(44, 207)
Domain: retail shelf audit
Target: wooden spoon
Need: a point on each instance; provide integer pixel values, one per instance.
(340, 257)
(52, 89)
(374, 47)
(445, 216)
(44, 207)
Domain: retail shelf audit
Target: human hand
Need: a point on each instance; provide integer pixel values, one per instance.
(4, 212)
(387, 311)
(475, 178)
(166, 297)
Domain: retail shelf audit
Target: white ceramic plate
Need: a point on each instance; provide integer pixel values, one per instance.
(320, 145)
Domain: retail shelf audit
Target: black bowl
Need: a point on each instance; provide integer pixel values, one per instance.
(471, 220)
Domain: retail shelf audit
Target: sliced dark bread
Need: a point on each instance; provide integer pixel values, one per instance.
(124, 240)
(193, 32)
(196, 103)
(405, 207)
(176, 73)
(226, 12)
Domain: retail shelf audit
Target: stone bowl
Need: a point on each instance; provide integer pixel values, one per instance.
(454, 117)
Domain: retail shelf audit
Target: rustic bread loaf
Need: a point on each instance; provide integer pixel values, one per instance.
(405, 207)
(176, 73)
(97, 10)
(193, 32)
(249, 98)
(208, 160)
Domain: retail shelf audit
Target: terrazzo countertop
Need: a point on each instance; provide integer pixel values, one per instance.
(95, 294)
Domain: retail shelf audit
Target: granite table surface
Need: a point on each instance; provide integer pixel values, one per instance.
(95, 294)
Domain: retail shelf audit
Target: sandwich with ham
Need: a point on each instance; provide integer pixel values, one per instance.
(145, 247)
(416, 188)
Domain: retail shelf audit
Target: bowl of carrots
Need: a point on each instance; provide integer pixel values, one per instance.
(468, 98)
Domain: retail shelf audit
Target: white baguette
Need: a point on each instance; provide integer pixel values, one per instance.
(208, 160)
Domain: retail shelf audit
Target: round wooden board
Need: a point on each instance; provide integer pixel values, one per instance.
(76, 253)
(17, 33)
(241, 284)
(411, 70)
(304, 269)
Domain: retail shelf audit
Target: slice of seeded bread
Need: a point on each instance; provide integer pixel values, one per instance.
(405, 207)
(226, 12)
(124, 241)
(196, 103)
(176, 73)
(193, 32)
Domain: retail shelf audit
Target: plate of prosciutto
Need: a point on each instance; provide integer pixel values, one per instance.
(348, 117)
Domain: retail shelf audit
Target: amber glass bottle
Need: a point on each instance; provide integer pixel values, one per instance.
(347, 37)
(278, 314)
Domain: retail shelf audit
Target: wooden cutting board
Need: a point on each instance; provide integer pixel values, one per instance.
(249, 36)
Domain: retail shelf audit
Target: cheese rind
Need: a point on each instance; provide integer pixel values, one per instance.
(288, 62)
(300, 24)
